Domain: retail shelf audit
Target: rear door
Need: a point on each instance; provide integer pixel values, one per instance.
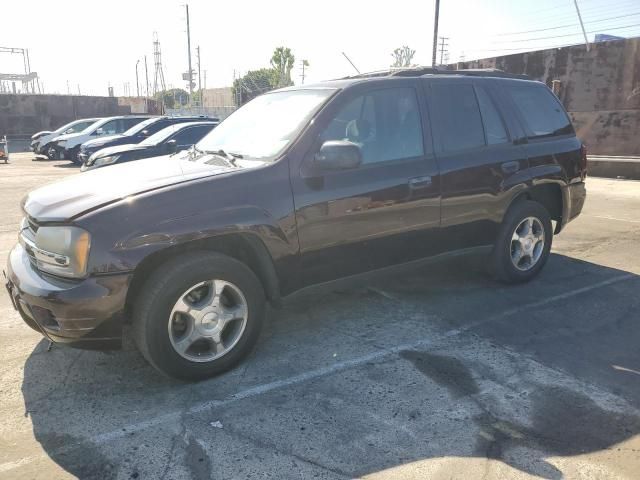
(479, 158)
(386, 210)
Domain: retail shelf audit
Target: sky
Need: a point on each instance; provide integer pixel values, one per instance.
(87, 46)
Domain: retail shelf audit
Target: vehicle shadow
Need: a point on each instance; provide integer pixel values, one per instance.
(67, 165)
(72, 397)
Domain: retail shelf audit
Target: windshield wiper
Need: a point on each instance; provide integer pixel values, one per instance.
(228, 156)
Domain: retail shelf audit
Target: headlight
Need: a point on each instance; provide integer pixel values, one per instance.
(105, 160)
(62, 251)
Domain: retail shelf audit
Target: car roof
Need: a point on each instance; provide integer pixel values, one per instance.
(180, 126)
(415, 72)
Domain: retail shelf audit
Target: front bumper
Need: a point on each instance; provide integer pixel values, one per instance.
(83, 156)
(35, 146)
(84, 314)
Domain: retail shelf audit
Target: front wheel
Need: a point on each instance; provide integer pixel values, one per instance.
(198, 315)
(523, 244)
(52, 153)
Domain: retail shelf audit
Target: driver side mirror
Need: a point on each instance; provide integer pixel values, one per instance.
(144, 133)
(338, 155)
(171, 146)
(100, 131)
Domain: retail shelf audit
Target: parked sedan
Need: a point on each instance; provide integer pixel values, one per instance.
(169, 140)
(135, 134)
(42, 142)
(68, 145)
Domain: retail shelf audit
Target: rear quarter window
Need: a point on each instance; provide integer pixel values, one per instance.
(541, 111)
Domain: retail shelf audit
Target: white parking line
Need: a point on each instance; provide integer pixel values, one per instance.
(305, 376)
(607, 217)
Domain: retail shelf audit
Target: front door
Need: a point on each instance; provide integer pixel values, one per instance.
(382, 212)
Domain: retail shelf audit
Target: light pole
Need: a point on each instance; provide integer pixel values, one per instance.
(435, 34)
(137, 83)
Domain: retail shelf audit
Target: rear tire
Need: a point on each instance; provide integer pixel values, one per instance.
(523, 244)
(180, 293)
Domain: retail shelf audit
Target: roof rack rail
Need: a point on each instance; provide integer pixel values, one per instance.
(420, 71)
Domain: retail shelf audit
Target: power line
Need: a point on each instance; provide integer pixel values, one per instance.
(570, 25)
(564, 36)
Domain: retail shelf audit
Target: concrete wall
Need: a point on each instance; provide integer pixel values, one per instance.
(218, 97)
(601, 89)
(27, 114)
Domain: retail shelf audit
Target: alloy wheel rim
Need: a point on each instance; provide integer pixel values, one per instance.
(208, 320)
(527, 244)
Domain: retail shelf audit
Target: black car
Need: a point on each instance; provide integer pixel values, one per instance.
(299, 187)
(169, 140)
(136, 134)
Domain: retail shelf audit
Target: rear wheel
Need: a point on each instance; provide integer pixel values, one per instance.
(198, 315)
(523, 244)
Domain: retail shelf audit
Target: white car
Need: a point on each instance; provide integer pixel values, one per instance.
(41, 141)
(68, 145)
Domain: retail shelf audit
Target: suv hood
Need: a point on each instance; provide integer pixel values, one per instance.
(69, 198)
(37, 135)
(98, 142)
(105, 152)
(67, 136)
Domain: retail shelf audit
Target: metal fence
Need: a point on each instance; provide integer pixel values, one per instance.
(16, 143)
(220, 112)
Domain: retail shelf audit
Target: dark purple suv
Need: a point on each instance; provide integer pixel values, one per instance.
(301, 186)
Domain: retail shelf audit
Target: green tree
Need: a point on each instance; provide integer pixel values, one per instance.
(402, 56)
(254, 83)
(173, 98)
(282, 62)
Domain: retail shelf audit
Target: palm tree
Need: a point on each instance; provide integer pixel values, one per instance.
(282, 62)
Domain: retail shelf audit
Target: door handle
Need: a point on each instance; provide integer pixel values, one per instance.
(510, 167)
(420, 182)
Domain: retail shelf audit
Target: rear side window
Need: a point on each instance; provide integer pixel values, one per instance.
(541, 111)
(493, 126)
(458, 117)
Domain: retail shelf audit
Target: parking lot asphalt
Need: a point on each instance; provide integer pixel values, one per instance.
(436, 373)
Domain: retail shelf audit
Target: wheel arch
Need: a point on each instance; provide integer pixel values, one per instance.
(550, 195)
(244, 247)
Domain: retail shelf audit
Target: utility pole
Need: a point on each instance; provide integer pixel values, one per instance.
(190, 71)
(443, 45)
(146, 76)
(68, 89)
(199, 76)
(586, 41)
(305, 63)
(435, 33)
(137, 83)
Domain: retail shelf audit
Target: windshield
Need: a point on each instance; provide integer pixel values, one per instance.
(163, 134)
(75, 126)
(95, 125)
(138, 127)
(266, 125)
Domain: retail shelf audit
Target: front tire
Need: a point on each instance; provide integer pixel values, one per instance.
(198, 315)
(523, 244)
